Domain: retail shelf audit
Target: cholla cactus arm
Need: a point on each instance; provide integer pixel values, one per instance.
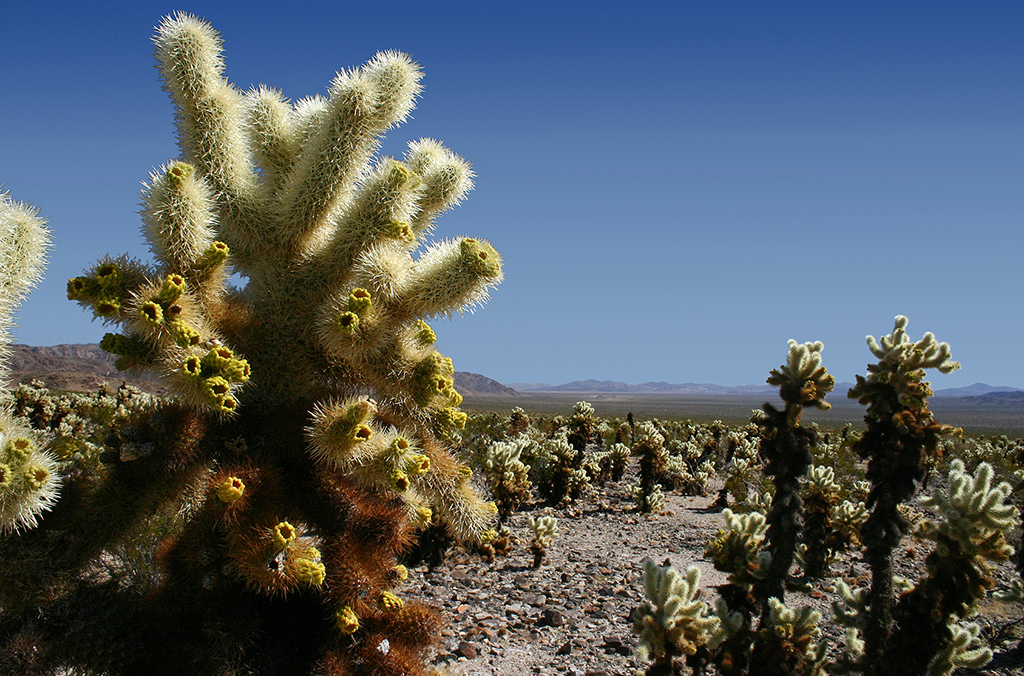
(29, 479)
(901, 436)
(974, 519)
(821, 494)
(24, 240)
(674, 622)
(963, 650)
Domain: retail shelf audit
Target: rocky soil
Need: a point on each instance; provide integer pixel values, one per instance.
(571, 616)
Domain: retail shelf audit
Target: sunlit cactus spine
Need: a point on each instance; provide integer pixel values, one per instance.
(786, 451)
(310, 406)
(900, 439)
(29, 478)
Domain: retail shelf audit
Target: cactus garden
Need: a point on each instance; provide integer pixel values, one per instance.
(308, 498)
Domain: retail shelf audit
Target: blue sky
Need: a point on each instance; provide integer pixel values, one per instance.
(677, 188)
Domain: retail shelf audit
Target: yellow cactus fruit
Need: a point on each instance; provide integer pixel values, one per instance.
(6, 478)
(359, 302)
(346, 620)
(418, 464)
(215, 254)
(171, 289)
(402, 572)
(284, 534)
(37, 476)
(151, 313)
(230, 490)
(108, 275)
(423, 516)
(488, 535)
(19, 449)
(399, 481)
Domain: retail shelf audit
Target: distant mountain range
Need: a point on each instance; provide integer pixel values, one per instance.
(84, 367)
(610, 386)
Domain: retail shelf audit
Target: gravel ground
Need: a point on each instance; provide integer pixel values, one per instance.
(571, 616)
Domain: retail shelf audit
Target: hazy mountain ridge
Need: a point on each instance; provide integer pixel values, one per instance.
(84, 366)
(611, 386)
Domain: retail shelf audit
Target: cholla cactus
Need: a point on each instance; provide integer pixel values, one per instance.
(786, 451)
(610, 464)
(507, 475)
(821, 494)
(901, 437)
(786, 643)
(650, 448)
(557, 471)
(737, 549)
(309, 406)
(29, 480)
(674, 623)
(545, 530)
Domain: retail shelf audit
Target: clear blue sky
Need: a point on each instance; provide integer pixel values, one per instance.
(677, 187)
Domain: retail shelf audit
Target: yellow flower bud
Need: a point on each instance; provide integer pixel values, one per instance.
(6, 477)
(178, 173)
(425, 335)
(402, 572)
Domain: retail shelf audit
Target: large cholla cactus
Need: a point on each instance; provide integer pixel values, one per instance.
(786, 451)
(310, 406)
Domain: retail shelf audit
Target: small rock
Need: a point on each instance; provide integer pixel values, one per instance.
(467, 650)
(550, 618)
(566, 649)
(597, 672)
(538, 600)
(614, 644)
